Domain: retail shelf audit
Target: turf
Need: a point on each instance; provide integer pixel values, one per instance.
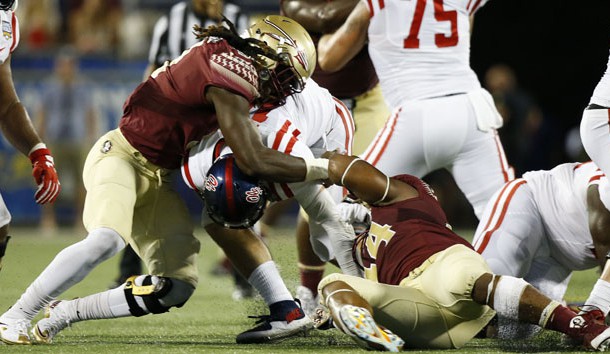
(210, 320)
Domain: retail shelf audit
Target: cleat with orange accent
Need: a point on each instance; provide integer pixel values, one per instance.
(360, 325)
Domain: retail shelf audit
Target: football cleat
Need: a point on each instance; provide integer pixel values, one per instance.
(322, 319)
(363, 329)
(586, 329)
(55, 319)
(14, 331)
(270, 330)
(309, 302)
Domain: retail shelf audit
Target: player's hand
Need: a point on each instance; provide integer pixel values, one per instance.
(43, 171)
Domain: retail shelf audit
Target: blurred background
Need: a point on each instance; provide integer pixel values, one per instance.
(540, 59)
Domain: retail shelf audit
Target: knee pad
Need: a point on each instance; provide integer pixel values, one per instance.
(157, 294)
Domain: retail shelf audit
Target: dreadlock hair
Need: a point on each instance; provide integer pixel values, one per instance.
(252, 47)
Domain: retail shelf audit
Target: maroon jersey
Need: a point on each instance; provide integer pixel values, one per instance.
(403, 235)
(355, 78)
(169, 110)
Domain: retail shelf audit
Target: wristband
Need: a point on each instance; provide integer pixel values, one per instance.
(316, 169)
(36, 147)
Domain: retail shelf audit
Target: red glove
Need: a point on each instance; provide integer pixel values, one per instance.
(45, 176)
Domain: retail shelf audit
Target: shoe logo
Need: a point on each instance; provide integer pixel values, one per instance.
(294, 315)
(578, 322)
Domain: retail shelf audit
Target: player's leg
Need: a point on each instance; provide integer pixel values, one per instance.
(515, 298)
(370, 113)
(252, 259)
(355, 316)
(108, 208)
(480, 168)
(399, 146)
(311, 268)
(594, 126)
(511, 231)
(162, 235)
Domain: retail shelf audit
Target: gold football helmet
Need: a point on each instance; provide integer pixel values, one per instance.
(296, 51)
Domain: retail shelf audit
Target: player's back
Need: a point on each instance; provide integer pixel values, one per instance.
(421, 48)
(310, 116)
(561, 197)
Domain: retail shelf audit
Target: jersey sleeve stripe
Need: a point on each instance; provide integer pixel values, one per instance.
(348, 124)
(15, 32)
(220, 144)
(279, 136)
(290, 145)
(503, 201)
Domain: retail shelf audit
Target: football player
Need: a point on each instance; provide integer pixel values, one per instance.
(425, 286)
(594, 132)
(127, 174)
(17, 127)
(441, 117)
(310, 123)
(356, 85)
(544, 226)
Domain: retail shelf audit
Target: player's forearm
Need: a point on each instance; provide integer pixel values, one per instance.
(18, 129)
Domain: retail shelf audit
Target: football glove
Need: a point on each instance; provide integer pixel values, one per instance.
(43, 171)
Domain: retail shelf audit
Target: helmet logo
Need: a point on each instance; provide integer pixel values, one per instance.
(287, 40)
(211, 183)
(254, 195)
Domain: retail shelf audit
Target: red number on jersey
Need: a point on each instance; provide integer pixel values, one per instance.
(441, 40)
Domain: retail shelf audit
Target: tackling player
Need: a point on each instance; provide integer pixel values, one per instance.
(17, 127)
(441, 117)
(424, 283)
(127, 174)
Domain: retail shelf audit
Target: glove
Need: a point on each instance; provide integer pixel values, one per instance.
(43, 171)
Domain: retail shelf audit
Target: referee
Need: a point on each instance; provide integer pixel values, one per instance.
(173, 33)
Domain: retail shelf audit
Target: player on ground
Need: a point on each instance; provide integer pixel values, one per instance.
(310, 123)
(424, 283)
(441, 117)
(127, 175)
(17, 127)
(544, 226)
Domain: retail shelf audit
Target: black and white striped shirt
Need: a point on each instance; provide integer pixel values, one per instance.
(173, 33)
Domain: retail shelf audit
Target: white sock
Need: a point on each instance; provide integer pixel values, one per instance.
(107, 304)
(267, 280)
(68, 268)
(600, 296)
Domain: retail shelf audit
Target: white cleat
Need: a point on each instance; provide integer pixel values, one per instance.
(14, 331)
(309, 302)
(366, 333)
(55, 319)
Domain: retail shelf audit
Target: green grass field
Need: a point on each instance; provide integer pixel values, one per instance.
(210, 320)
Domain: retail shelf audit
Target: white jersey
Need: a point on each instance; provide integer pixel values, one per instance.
(421, 48)
(10, 34)
(310, 123)
(561, 197)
